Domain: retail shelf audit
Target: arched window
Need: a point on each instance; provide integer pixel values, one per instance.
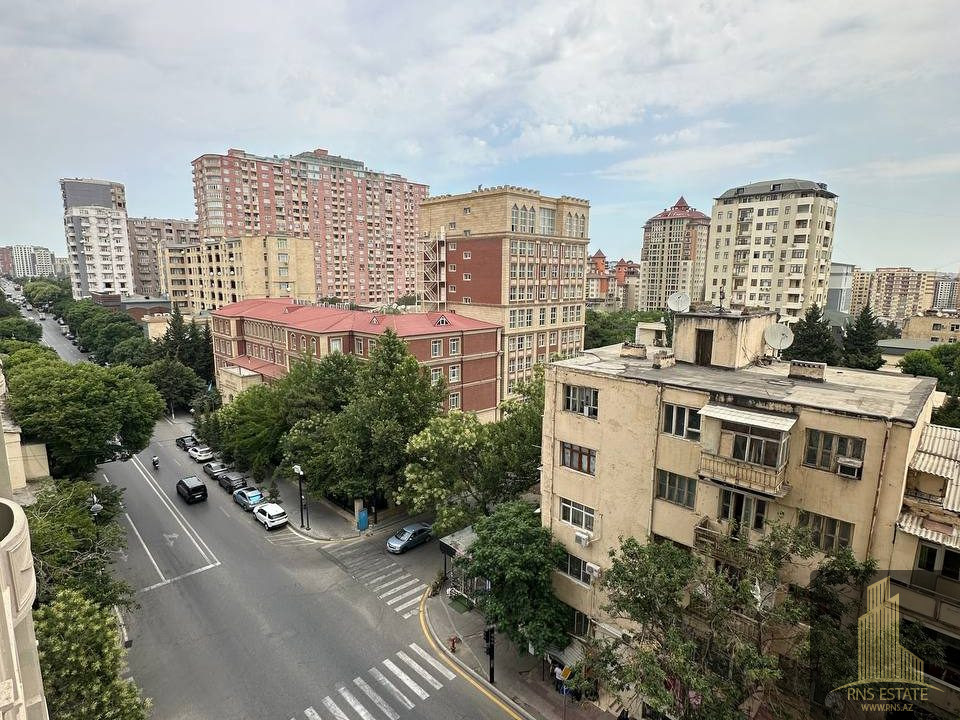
(581, 225)
(568, 225)
(313, 345)
(303, 343)
(515, 219)
(532, 225)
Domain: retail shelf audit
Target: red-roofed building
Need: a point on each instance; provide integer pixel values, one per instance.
(257, 340)
(673, 258)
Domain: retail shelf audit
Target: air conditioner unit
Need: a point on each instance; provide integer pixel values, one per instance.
(582, 538)
(849, 467)
(592, 570)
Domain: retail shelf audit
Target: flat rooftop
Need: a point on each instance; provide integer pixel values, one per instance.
(850, 392)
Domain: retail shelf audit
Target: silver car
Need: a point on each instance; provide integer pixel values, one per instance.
(408, 537)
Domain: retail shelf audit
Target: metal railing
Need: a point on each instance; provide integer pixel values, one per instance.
(743, 474)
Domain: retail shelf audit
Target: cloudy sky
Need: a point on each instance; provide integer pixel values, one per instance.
(629, 104)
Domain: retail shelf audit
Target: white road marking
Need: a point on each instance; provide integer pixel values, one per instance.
(300, 534)
(415, 591)
(145, 548)
(371, 570)
(377, 700)
(410, 614)
(403, 576)
(179, 577)
(400, 697)
(311, 714)
(332, 707)
(420, 692)
(398, 588)
(355, 704)
(169, 538)
(436, 664)
(432, 681)
(409, 603)
(224, 512)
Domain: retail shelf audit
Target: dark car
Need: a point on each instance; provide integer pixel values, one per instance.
(214, 469)
(248, 498)
(191, 489)
(186, 442)
(232, 480)
(407, 538)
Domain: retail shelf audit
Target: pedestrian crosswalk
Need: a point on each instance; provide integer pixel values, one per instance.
(387, 579)
(384, 693)
(285, 537)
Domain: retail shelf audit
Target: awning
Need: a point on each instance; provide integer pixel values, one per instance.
(939, 454)
(783, 423)
(927, 529)
(458, 543)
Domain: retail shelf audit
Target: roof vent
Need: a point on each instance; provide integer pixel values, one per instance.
(806, 370)
(633, 350)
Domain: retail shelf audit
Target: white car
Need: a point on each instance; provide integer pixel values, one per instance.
(270, 515)
(200, 453)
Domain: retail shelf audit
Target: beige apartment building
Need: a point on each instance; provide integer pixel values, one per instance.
(770, 246)
(938, 326)
(148, 237)
(674, 252)
(204, 276)
(893, 293)
(513, 257)
(698, 440)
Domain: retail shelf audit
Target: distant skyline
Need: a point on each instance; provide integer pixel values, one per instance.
(627, 104)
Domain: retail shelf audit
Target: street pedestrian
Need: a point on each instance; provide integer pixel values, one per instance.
(558, 674)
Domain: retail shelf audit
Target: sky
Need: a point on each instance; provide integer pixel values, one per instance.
(627, 104)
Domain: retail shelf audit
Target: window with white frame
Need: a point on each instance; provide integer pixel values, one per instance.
(939, 560)
(436, 375)
(573, 513)
(454, 346)
(677, 489)
(835, 453)
(467, 277)
(827, 533)
(574, 567)
(467, 254)
(436, 348)
(681, 421)
(453, 373)
(757, 445)
(579, 399)
(454, 401)
(452, 267)
(358, 346)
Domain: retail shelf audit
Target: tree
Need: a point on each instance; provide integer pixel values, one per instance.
(82, 662)
(947, 414)
(609, 328)
(45, 292)
(813, 339)
(517, 555)
(134, 351)
(251, 427)
(177, 384)
(941, 362)
(860, 337)
(323, 386)
(16, 328)
(174, 339)
(517, 435)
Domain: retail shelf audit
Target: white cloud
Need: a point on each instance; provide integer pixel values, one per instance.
(554, 139)
(691, 133)
(924, 167)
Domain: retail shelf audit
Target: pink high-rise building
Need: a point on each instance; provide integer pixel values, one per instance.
(363, 224)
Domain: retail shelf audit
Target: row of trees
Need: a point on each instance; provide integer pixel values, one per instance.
(609, 328)
(814, 340)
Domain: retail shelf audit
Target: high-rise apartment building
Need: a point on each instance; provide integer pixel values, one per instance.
(61, 266)
(513, 257)
(148, 237)
(363, 224)
(604, 293)
(31, 261)
(674, 252)
(6, 261)
(840, 289)
(946, 291)
(770, 246)
(696, 442)
(893, 293)
(95, 221)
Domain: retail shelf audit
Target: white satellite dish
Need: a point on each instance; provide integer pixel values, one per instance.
(779, 337)
(679, 302)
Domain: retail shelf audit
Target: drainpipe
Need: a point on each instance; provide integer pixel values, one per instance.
(876, 499)
(656, 454)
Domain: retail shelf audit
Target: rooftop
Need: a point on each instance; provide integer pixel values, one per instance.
(858, 392)
(766, 187)
(681, 210)
(501, 190)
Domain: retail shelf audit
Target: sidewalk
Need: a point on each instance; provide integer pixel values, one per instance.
(521, 679)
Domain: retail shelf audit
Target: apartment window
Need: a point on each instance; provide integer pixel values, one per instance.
(827, 533)
(467, 254)
(677, 489)
(835, 453)
(579, 399)
(455, 401)
(466, 211)
(336, 345)
(452, 267)
(760, 446)
(436, 375)
(467, 277)
(573, 513)
(454, 373)
(574, 567)
(454, 346)
(451, 246)
(436, 348)
(681, 421)
(451, 288)
(578, 458)
(358, 346)
(745, 510)
(940, 560)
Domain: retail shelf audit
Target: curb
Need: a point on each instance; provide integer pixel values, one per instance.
(516, 707)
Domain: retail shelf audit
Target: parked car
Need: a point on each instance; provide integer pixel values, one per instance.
(186, 442)
(200, 453)
(191, 489)
(408, 537)
(213, 469)
(248, 498)
(231, 480)
(270, 515)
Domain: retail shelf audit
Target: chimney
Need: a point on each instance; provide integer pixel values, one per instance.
(633, 350)
(806, 370)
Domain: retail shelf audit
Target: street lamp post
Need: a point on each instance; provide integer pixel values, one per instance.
(95, 509)
(304, 508)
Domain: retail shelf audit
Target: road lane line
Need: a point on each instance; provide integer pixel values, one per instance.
(377, 700)
(334, 708)
(179, 577)
(311, 714)
(434, 663)
(398, 588)
(409, 603)
(145, 548)
(357, 706)
(300, 534)
(431, 680)
(224, 512)
(420, 588)
(374, 569)
(386, 575)
(406, 679)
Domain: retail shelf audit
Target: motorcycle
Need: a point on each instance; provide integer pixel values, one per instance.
(156, 463)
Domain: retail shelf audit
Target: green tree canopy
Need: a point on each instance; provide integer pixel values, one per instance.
(18, 328)
(813, 339)
(177, 384)
(518, 555)
(860, 349)
(941, 362)
(134, 351)
(609, 328)
(82, 662)
(948, 414)
(42, 292)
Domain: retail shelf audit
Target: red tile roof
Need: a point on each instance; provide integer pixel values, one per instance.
(264, 367)
(680, 209)
(309, 318)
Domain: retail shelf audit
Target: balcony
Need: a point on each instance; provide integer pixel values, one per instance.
(749, 476)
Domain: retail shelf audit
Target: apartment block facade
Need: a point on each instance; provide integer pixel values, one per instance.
(31, 261)
(770, 246)
(363, 224)
(6, 261)
(893, 293)
(689, 443)
(513, 257)
(95, 223)
(840, 289)
(604, 292)
(201, 277)
(938, 326)
(946, 292)
(674, 253)
(148, 238)
(257, 340)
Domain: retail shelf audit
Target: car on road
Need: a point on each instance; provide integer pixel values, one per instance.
(270, 515)
(200, 453)
(186, 442)
(213, 469)
(408, 537)
(232, 480)
(42, 316)
(248, 498)
(191, 489)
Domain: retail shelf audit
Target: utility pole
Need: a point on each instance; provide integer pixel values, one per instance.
(489, 639)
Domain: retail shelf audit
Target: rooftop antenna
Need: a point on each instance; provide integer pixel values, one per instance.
(779, 337)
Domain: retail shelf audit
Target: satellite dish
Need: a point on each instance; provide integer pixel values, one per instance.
(778, 336)
(679, 302)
